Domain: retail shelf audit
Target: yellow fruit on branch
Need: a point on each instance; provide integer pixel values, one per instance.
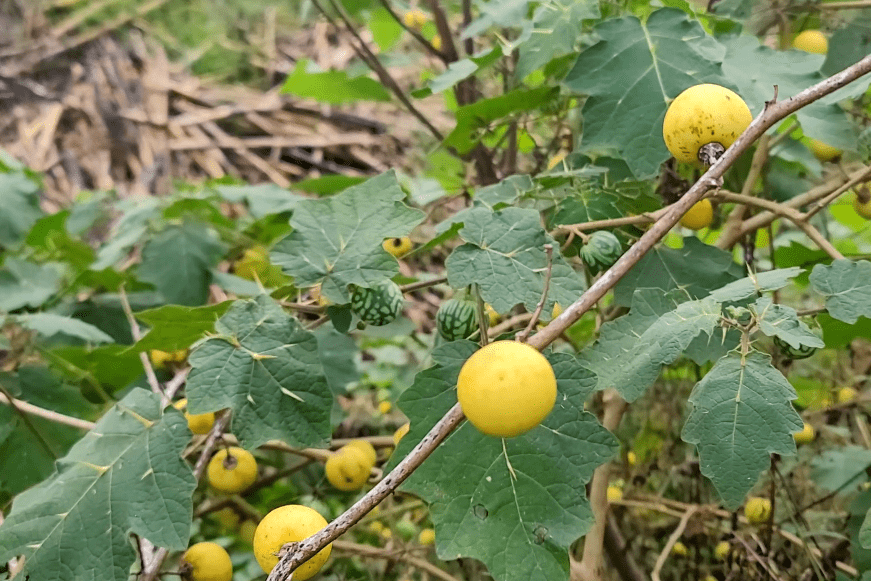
(197, 423)
(206, 562)
(289, 524)
(163, 359)
(400, 433)
(699, 216)
(680, 549)
(806, 435)
(846, 394)
(506, 388)
(863, 208)
(757, 510)
(414, 18)
(398, 246)
(492, 315)
(812, 41)
(426, 537)
(366, 448)
(721, 551)
(631, 458)
(702, 122)
(614, 493)
(823, 151)
(348, 468)
(232, 470)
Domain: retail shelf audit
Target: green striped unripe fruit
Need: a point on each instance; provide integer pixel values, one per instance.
(378, 305)
(800, 352)
(601, 250)
(456, 319)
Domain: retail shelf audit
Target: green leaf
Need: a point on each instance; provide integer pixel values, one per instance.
(847, 287)
(25, 284)
(838, 468)
(49, 235)
(265, 366)
(457, 71)
(174, 327)
(178, 262)
(556, 28)
(515, 504)
(337, 353)
(111, 366)
(137, 215)
(332, 86)
(656, 61)
(505, 256)
(848, 45)
(740, 415)
(337, 241)
(631, 350)
(49, 324)
(756, 284)
(262, 199)
(386, 32)
(696, 269)
(838, 334)
(19, 206)
(781, 321)
(125, 476)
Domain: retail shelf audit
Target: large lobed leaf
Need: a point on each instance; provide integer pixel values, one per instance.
(125, 476)
(265, 366)
(740, 415)
(782, 322)
(847, 287)
(515, 504)
(337, 241)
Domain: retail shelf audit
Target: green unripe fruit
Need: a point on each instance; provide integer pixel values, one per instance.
(800, 352)
(456, 319)
(378, 305)
(601, 251)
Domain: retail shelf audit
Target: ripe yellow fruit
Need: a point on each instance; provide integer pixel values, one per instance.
(437, 42)
(757, 510)
(163, 359)
(366, 448)
(492, 315)
(709, 578)
(721, 551)
(811, 41)
(614, 493)
(700, 115)
(197, 423)
(556, 159)
(846, 394)
(414, 18)
(227, 518)
(863, 209)
(699, 216)
(232, 470)
(680, 549)
(400, 433)
(806, 435)
(206, 562)
(506, 388)
(289, 524)
(557, 311)
(631, 458)
(823, 151)
(348, 468)
(426, 537)
(384, 407)
(397, 246)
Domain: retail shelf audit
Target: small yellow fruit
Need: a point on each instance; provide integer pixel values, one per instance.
(680, 549)
(376, 527)
(699, 216)
(366, 448)
(757, 510)
(227, 518)
(557, 311)
(631, 458)
(348, 468)
(400, 433)
(318, 297)
(721, 551)
(700, 115)
(437, 42)
(397, 246)
(289, 524)
(615, 493)
(232, 470)
(206, 562)
(863, 209)
(426, 537)
(414, 18)
(506, 388)
(386, 533)
(806, 435)
(846, 394)
(709, 578)
(197, 423)
(823, 151)
(556, 159)
(384, 407)
(247, 530)
(492, 315)
(812, 41)
(163, 359)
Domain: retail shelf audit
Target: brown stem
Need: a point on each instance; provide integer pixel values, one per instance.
(50, 415)
(537, 313)
(378, 553)
(143, 356)
(760, 156)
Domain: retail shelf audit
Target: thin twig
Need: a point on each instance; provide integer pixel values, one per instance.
(820, 204)
(645, 218)
(143, 356)
(378, 553)
(669, 545)
(548, 249)
(760, 157)
(422, 284)
(50, 415)
(417, 36)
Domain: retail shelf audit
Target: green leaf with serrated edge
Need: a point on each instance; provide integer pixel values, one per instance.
(337, 353)
(19, 206)
(755, 284)
(178, 262)
(25, 284)
(113, 366)
(740, 415)
(505, 256)
(504, 193)
(847, 287)
(49, 324)
(265, 366)
(337, 241)
(332, 86)
(657, 60)
(261, 199)
(557, 27)
(696, 269)
(630, 353)
(841, 469)
(175, 327)
(125, 476)
(49, 236)
(459, 70)
(520, 526)
(781, 321)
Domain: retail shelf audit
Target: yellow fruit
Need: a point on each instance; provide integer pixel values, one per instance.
(366, 448)
(631, 458)
(227, 518)
(206, 562)
(254, 264)
(823, 151)
(811, 41)
(162, 359)
(426, 537)
(397, 246)
(348, 468)
(232, 470)
(846, 394)
(806, 435)
(556, 159)
(384, 407)
(437, 42)
(863, 209)
(197, 423)
(709, 578)
(680, 549)
(699, 216)
(615, 493)
(247, 530)
(721, 551)
(318, 297)
(414, 18)
(400, 433)
(700, 115)
(557, 311)
(506, 388)
(757, 510)
(377, 527)
(289, 524)
(492, 315)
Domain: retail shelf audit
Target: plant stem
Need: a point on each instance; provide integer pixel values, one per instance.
(50, 415)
